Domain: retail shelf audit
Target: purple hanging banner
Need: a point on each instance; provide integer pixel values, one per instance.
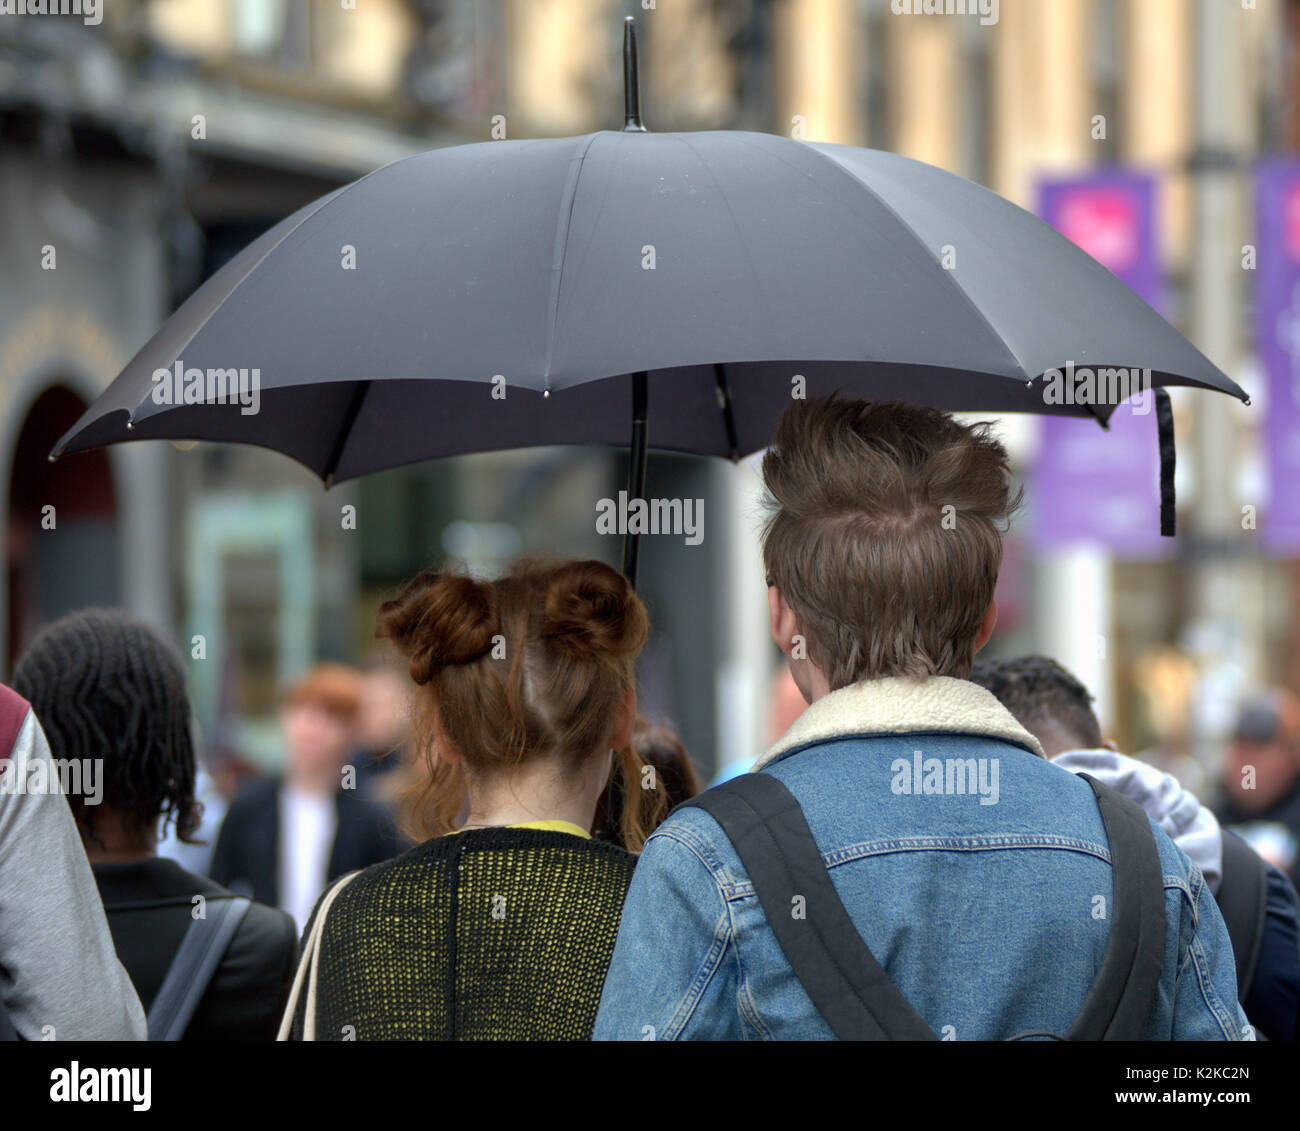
(1091, 486)
(1277, 311)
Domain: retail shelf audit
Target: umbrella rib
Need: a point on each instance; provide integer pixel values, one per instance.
(322, 205)
(60, 447)
(561, 251)
(260, 260)
(731, 215)
(349, 419)
(724, 403)
(950, 276)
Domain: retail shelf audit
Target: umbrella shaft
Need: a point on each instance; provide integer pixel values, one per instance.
(636, 470)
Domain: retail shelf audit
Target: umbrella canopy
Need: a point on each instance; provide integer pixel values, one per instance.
(518, 293)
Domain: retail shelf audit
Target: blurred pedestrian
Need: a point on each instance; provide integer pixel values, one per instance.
(1261, 779)
(113, 694)
(500, 925)
(666, 766)
(283, 840)
(382, 724)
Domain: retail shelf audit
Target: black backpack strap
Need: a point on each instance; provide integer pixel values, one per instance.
(191, 970)
(836, 968)
(1243, 901)
(1120, 998)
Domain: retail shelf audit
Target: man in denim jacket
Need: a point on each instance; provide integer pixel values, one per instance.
(976, 871)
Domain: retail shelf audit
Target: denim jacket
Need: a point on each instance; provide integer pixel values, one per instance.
(976, 871)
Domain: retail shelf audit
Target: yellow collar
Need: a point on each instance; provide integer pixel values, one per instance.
(555, 825)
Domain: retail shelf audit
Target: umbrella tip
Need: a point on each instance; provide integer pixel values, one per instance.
(631, 85)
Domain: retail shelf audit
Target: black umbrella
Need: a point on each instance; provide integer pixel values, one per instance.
(518, 293)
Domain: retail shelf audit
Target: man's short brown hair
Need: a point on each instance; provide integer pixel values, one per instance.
(885, 534)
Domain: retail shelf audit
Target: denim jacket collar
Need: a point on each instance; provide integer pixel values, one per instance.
(894, 705)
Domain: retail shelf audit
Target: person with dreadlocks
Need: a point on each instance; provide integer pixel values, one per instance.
(110, 693)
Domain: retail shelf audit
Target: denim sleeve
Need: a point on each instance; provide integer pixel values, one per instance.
(1205, 989)
(1273, 1004)
(673, 973)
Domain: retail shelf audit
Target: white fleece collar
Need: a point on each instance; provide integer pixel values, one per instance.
(903, 706)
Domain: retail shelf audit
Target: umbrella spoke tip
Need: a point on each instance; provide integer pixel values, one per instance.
(631, 85)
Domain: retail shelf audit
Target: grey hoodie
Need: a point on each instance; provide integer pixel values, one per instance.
(60, 978)
(1186, 822)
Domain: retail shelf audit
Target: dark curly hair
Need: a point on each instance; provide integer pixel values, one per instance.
(105, 685)
(1042, 695)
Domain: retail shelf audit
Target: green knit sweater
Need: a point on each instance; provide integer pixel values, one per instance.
(489, 934)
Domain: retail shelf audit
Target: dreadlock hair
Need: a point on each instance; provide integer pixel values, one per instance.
(1046, 700)
(105, 685)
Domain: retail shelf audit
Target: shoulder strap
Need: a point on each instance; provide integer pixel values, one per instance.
(307, 963)
(1120, 998)
(1243, 900)
(196, 960)
(836, 968)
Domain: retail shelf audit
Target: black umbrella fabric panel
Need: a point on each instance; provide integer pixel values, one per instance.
(761, 249)
(1036, 288)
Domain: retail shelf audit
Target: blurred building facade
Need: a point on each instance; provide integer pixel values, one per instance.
(141, 150)
(147, 149)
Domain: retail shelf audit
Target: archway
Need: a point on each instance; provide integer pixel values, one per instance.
(62, 525)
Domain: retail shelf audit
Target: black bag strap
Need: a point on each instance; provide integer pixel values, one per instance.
(1243, 901)
(836, 968)
(1120, 998)
(196, 960)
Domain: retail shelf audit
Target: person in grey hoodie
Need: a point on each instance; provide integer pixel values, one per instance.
(1054, 706)
(60, 978)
